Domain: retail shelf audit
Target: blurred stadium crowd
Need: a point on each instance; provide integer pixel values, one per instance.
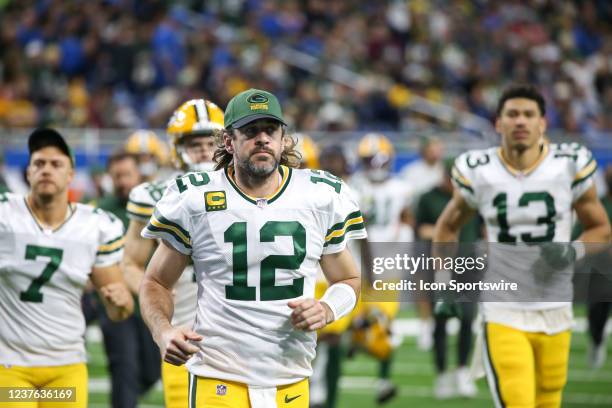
(337, 65)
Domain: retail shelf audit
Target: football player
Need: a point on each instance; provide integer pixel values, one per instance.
(150, 150)
(49, 249)
(257, 231)
(190, 130)
(526, 190)
(327, 364)
(385, 200)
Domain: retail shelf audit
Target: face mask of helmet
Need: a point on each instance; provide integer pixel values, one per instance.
(191, 166)
(378, 169)
(204, 166)
(148, 168)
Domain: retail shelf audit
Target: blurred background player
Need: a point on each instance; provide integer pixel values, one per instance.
(385, 201)
(190, 130)
(430, 206)
(309, 151)
(422, 175)
(49, 248)
(151, 152)
(598, 312)
(133, 356)
(330, 353)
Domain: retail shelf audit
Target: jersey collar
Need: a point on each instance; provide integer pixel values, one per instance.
(71, 207)
(516, 172)
(285, 173)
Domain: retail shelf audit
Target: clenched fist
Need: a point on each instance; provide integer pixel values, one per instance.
(310, 314)
(175, 346)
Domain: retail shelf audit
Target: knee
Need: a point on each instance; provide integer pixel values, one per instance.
(552, 383)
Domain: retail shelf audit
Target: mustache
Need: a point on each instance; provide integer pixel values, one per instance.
(263, 150)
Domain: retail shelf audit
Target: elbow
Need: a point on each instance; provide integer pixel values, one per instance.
(444, 233)
(607, 233)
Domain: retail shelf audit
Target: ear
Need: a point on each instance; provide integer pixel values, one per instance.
(29, 174)
(497, 125)
(543, 125)
(71, 173)
(228, 142)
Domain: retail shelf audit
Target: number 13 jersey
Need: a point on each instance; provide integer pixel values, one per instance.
(251, 256)
(535, 205)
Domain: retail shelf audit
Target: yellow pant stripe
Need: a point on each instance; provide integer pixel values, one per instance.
(492, 378)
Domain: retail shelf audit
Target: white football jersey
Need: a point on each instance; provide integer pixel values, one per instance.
(526, 207)
(252, 256)
(140, 208)
(382, 204)
(42, 276)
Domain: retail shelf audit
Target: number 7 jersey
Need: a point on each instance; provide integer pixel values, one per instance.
(42, 277)
(251, 256)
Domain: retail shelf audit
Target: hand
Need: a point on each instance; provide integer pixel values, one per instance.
(117, 294)
(447, 309)
(310, 314)
(175, 347)
(558, 255)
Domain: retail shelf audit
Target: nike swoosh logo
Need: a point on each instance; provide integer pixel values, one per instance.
(288, 400)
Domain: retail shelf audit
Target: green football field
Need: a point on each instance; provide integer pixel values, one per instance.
(412, 372)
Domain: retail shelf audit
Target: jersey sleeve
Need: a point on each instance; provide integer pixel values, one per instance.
(142, 202)
(463, 179)
(110, 243)
(170, 221)
(346, 221)
(585, 167)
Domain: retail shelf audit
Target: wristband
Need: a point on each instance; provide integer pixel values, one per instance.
(340, 298)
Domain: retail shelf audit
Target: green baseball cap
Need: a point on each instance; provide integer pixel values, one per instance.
(251, 105)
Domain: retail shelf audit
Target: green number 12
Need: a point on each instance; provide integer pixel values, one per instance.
(236, 234)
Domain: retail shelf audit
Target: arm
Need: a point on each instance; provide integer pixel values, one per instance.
(593, 218)
(338, 268)
(136, 253)
(157, 305)
(113, 291)
(456, 214)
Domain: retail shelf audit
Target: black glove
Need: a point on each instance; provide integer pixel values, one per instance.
(447, 309)
(558, 255)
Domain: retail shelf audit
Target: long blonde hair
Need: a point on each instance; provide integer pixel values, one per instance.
(290, 157)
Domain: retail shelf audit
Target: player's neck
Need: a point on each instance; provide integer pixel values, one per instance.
(256, 186)
(522, 159)
(49, 213)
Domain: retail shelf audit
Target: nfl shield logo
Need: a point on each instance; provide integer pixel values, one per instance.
(221, 389)
(262, 202)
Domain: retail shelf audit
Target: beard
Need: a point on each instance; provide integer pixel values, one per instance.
(258, 170)
(44, 197)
